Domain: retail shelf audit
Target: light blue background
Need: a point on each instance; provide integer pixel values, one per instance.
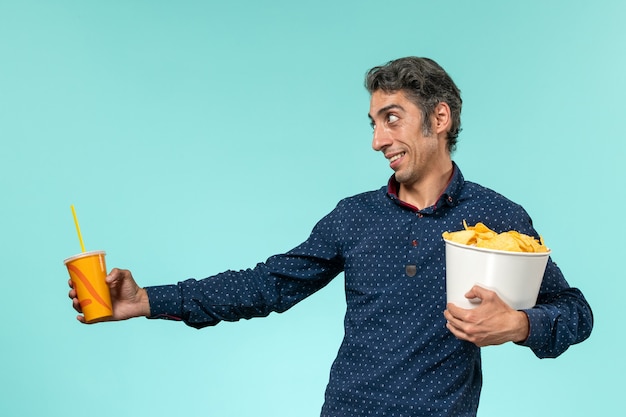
(197, 136)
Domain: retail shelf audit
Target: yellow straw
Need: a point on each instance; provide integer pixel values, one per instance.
(80, 237)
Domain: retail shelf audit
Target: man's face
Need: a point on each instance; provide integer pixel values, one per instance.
(398, 134)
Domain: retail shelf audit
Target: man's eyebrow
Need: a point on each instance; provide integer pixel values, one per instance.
(385, 109)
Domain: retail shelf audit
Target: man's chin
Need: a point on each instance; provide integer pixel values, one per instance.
(401, 179)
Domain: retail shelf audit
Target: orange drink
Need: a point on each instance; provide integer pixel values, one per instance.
(87, 271)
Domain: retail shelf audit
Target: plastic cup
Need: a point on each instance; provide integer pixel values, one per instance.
(87, 271)
(515, 276)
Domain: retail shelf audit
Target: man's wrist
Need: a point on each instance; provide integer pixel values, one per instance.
(144, 303)
(522, 327)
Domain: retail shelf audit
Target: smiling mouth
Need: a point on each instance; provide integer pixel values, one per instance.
(396, 157)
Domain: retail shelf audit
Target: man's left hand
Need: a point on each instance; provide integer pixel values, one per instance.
(492, 322)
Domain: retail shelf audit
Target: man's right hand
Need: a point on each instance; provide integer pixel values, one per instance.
(127, 298)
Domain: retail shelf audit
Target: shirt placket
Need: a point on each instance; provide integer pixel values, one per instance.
(413, 244)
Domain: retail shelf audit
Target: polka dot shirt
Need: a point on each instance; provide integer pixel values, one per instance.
(397, 358)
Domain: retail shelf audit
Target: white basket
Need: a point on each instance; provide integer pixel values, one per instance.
(514, 276)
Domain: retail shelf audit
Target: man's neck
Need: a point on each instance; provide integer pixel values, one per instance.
(426, 192)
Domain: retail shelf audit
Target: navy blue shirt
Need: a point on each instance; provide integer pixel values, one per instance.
(397, 357)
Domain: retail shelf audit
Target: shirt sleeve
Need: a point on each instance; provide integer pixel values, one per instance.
(562, 317)
(271, 286)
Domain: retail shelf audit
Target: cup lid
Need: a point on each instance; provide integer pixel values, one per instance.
(84, 255)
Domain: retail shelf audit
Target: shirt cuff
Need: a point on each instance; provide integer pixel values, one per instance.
(165, 302)
(539, 328)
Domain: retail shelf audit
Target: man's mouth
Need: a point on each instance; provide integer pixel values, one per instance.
(396, 157)
(396, 160)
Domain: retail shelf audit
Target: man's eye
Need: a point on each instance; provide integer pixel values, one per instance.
(392, 118)
(373, 125)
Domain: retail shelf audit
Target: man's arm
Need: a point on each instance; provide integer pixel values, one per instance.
(274, 285)
(558, 321)
(561, 318)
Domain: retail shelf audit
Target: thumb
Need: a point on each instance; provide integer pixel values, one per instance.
(114, 277)
(477, 292)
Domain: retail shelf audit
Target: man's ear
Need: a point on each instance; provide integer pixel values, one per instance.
(441, 118)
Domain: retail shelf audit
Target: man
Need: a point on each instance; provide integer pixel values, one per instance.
(404, 353)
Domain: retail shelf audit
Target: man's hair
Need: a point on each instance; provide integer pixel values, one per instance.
(423, 82)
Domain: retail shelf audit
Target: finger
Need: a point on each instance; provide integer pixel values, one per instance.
(456, 311)
(473, 292)
(451, 325)
(450, 319)
(116, 276)
(76, 305)
(112, 276)
(453, 322)
(459, 333)
(478, 292)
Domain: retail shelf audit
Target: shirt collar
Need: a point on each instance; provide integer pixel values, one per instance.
(449, 197)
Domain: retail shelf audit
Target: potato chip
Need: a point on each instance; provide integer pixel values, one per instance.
(481, 236)
(466, 237)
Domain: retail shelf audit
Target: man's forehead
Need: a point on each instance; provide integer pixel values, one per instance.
(381, 101)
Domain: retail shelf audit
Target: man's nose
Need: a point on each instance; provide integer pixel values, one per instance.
(380, 139)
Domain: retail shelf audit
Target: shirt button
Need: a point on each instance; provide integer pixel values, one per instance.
(420, 215)
(414, 243)
(411, 270)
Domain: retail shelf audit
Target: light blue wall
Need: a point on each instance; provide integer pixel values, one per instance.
(196, 136)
